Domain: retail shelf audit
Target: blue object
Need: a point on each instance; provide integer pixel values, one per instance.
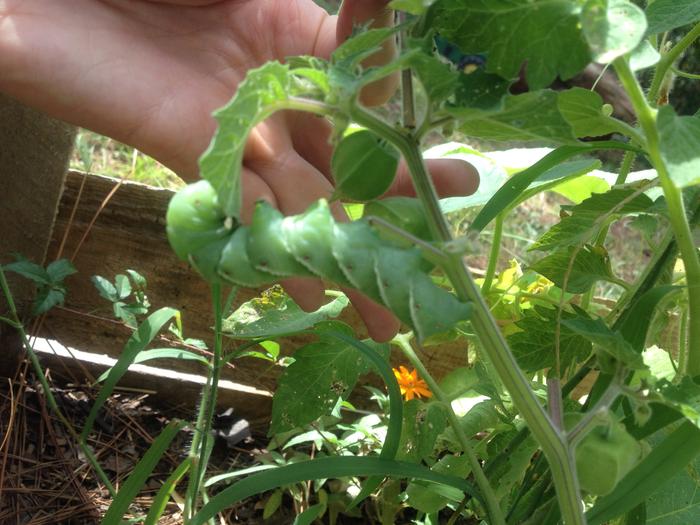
(468, 63)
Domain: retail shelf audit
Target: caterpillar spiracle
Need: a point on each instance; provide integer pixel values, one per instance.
(309, 244)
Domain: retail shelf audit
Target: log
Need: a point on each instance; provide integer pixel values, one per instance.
(130, 233)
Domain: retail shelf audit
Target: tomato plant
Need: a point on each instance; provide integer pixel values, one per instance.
(555, 330)
(517, 436)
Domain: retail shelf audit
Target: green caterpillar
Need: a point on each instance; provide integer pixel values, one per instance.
(309, 244)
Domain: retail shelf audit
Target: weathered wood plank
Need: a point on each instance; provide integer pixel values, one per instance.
(34, 153)
(130, 233)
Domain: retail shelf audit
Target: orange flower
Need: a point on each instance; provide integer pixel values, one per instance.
(411, 385)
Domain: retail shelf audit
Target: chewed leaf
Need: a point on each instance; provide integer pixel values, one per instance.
(612, 28)
(310, 387)
(264, 91)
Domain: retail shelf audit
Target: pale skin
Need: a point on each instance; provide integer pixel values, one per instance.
(149, 73)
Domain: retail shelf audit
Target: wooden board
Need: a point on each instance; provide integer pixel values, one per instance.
(130, 233)
(34, 153)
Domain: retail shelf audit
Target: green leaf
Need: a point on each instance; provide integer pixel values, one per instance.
(557, 177)
(636, 322)
(138, 342)
(160, 501)
(534, 347)
(662, 464)
(664, 15)
(363, 44)
(138, 279)
(32, 271)
(272, 504)
(584, 110)
(606, 340)
(612, 28)
(644, 56)
(122, 285)
(415, 7)
(528, 117)
(422, 424)
(429, 497)
(323, 468)
(60, 269)
(680, 146)
(544, 33)
(309, 515)
(578, 227)
(47, 298)
(105, 288)
(438, 79)
(591, 264)
(275, 314)
(263, 91)
(580, 188)
(142, 471)
(310, 387)
(678, 501)
(458, 381)
(363, 166)
(481, 416)
(478, 93)
(683, 396)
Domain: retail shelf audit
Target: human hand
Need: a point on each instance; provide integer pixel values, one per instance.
(150, 73)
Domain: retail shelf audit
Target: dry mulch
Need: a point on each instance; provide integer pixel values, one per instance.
(44, 478)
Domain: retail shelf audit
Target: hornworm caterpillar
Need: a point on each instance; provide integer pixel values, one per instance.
(309, 244)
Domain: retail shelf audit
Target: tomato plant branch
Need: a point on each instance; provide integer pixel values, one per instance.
(676, 208)
(592, 418)
(559, 455)
(667, 61)
(39, 372)
(493, 508)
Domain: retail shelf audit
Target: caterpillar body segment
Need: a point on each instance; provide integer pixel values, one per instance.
(309, 244)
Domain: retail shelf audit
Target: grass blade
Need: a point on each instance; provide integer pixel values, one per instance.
(511, 191)
(138, 342)
(140, 474)
(162, 353)
(323, 468)
(161, 499)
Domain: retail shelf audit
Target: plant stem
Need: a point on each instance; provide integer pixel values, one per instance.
(493, 255)
(560, 457)
(589, 420)
(667, 61)
(198, 448)
(676, 209)
(39, 372)
(683, 344)
(493, 508)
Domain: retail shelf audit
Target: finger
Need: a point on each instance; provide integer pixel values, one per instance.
(310, 136)
(381, 324)
(308, 292)
(353, 13)
(295, 184)
(254, 188)
(452, 178)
